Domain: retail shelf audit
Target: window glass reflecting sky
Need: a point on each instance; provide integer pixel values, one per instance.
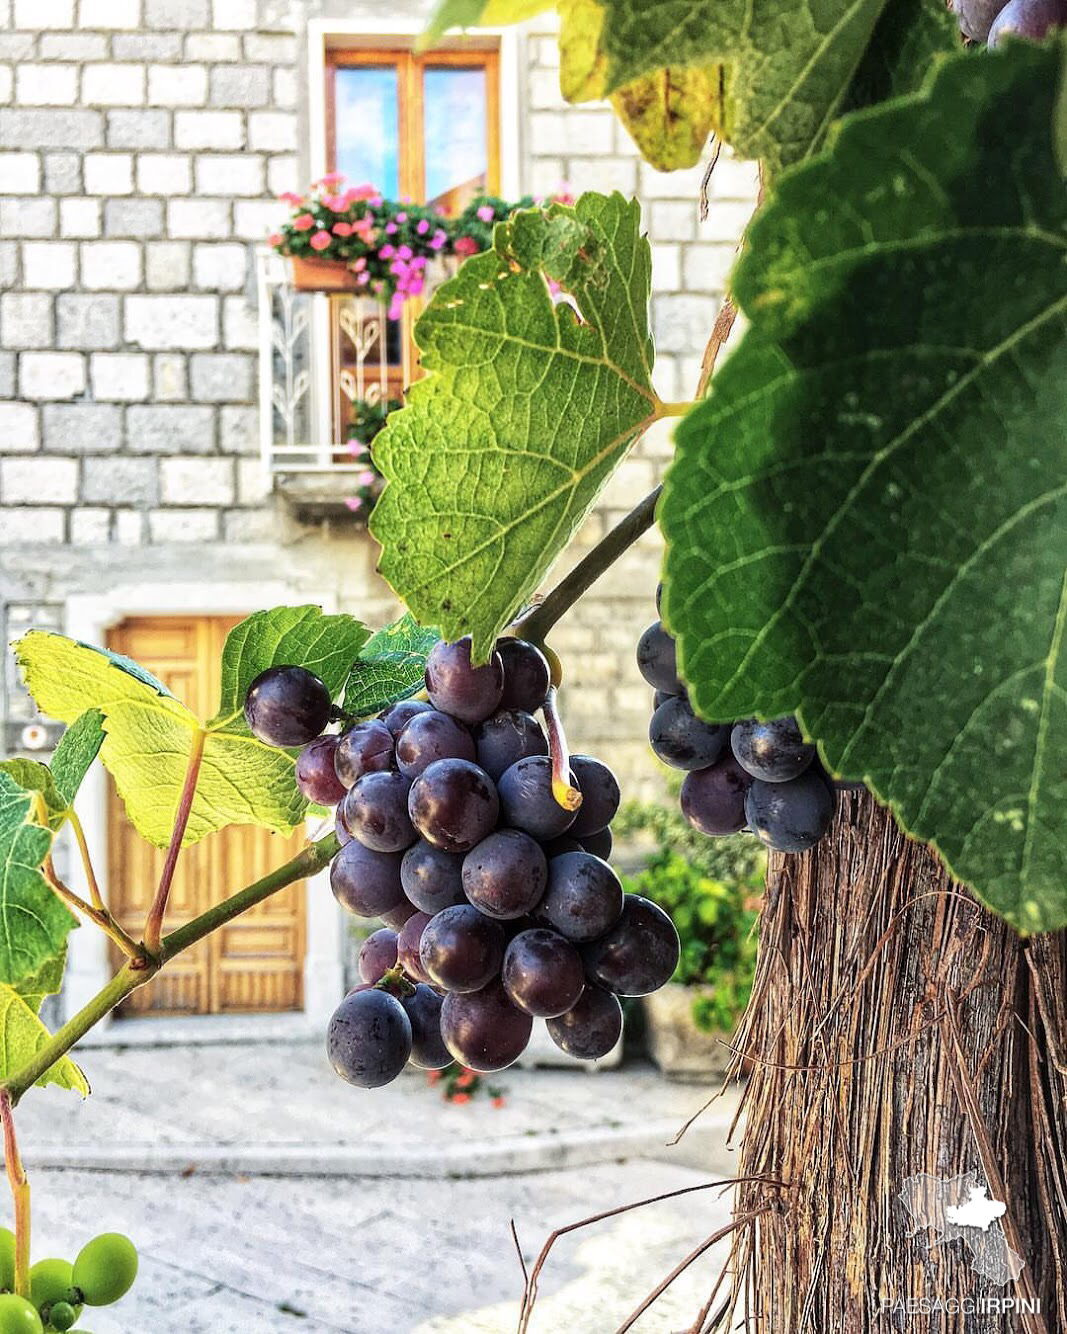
(366, 126)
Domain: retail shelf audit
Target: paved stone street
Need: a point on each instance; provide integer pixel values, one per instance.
(392, 1208)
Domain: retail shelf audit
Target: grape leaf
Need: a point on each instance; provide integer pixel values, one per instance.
(669, 114)
(391, 666)
(33, 776)
(44, 981)
(525, 410)
(78, 748)
(910, 37)
(33, 922)
(867, 519)
(478, 13)
(149, 734)
(22, 1033)
(285, 637)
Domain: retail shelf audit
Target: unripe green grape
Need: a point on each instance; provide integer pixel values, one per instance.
(7, 1259)
(18, 1316)
(105, 1268)
(51, 1281)
(62, 1315)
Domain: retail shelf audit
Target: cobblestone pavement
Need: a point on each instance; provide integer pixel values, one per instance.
(270, 1255)
(393, 1216)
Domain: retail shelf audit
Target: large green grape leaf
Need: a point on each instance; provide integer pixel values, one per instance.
(524, 412)
(149, 734)
(33, 922)
(773, 76)
(867, 520)
(391, 666)
(78, 747)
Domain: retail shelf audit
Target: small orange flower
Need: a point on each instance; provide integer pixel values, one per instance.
(461, 1097)
(466, 1079)
(499, 1101)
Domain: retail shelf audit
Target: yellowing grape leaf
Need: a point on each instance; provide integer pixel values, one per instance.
(33, 922)
(525, 410)
(669, 114)
(149, 733)
(479, 14)
(867, 520)
(22, 1033)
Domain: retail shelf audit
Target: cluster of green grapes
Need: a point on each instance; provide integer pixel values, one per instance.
(102, 1273)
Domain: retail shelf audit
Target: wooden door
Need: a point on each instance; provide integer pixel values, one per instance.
(256, 962)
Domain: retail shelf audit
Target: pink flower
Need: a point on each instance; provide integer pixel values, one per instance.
(321, 241)
(342, 229)
(304, 223)
(356, 448)
(486, 213)
(355, 192)
(419, 262)
(297, 201)
(423, 226)
(354, 503)
(367, 478)
(401, 217)
(360, 263)
(332, 178)
(438, 239)
(364, 229)
(362, 279)
(396, 306)
(404, 252)
(465, 245)
(390, 229)
(275, 239)
(415, 287)
(387, 251)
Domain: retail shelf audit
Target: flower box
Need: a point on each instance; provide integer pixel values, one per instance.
(322, 275)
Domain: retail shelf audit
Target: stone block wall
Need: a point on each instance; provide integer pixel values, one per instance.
(142, 147)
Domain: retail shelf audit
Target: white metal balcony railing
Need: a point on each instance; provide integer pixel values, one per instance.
(298, 399)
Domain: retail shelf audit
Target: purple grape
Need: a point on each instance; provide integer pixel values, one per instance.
(640, 952)
(287, 706)
(453, 804)
(315, 775)
(527, 802)
(556, 847)
(365, 882)
(660, 697)
(364, 749)
(793, 816)
(684, 741)
(713, 800)
(584, 896)
(600, 796)
(542, 973)
(432, 878)
(505, 875)
(423, 1009)
(408, 943)
(396, 917)
(976, 16)
(429, 737)
(590, 1028)
(397, 716)
(375, 811)
(659, 598)
(505, 738)
(343, 836)
(599, 844)
(526, 674)
(774, 751)
(377, 955)
(483, 1030)
(461, 949)
(657, 660)
(368, 1041)
(1032, 19)
(456, 687)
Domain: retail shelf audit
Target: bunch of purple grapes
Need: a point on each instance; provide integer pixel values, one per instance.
(992, 20)
(498, 902)
(758, 775)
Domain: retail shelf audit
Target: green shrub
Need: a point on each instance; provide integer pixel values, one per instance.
(711, 889)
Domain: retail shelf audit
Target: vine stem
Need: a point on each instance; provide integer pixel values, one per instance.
(564, 791)
(540, 620)
(100, 917)
(95, 896)
(20, 1194)
(153, 927)
(306, 863)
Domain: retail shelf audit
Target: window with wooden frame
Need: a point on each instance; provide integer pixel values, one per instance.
(419, 127)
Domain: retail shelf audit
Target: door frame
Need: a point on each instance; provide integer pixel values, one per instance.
(89, 618)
